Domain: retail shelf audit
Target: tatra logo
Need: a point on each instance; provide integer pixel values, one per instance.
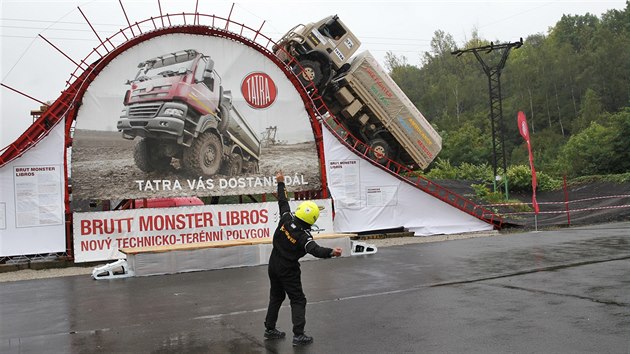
(259, 90)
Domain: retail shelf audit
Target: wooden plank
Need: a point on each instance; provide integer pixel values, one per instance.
(215, 244)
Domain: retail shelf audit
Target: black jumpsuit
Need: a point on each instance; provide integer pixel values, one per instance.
(291, 241)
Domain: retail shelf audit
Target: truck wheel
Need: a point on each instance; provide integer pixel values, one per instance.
(203, 157)
(148, 158)
(251, 167)
(235, 165)
(311, 72)
(379, 151)
(225, 118)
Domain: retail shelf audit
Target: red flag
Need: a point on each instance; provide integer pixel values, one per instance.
(522, 128)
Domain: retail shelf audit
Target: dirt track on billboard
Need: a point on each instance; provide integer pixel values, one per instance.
(103, 168)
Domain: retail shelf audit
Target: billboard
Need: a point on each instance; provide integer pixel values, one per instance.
(99, 236)
(191, 115)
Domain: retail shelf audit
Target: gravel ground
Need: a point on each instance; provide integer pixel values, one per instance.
(29, 274)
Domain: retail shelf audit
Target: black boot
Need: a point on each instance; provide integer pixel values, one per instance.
(302, 339)
(274, 333)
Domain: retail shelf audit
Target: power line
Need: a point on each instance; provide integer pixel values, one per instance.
(29, 46)
(47, 29)
(58, 38)
(416, 51)
(64, 22)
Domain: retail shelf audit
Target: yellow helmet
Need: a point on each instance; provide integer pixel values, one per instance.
(308, 212)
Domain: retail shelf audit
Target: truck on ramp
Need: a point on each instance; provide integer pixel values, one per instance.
(363, 99)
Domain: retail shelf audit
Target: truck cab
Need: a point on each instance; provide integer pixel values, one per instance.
(322, 49)
(168, 96)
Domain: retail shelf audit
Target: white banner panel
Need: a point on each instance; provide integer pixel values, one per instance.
(31, 199)
(99, 235)
(38, 192)
(367, 198)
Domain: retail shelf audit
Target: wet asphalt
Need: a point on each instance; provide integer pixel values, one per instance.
(561, 291)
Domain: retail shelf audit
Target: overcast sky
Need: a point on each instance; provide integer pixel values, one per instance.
(32, 66)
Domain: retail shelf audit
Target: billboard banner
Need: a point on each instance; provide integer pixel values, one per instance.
(98, 236)
(191, 115)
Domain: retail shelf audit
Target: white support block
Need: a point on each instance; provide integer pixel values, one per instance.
(359, 248)
(114, 270)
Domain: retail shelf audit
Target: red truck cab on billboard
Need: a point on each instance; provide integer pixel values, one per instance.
(166, 202)
(178, 108)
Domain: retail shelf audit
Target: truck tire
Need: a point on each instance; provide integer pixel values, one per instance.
(225, 118)
(203, 157)
(251, 167)
(148, 158)
(311, 72)
(235, 165)
(379, 151)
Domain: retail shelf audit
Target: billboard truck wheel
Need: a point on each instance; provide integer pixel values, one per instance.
(148, 157)
(235, 165)
(203, 157)
(251, 167)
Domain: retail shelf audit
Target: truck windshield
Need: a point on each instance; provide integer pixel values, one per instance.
(332, 29)
(165, 66)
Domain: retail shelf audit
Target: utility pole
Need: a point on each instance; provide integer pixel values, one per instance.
(496, 106)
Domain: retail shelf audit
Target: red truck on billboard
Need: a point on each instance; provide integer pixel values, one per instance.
(178, 108)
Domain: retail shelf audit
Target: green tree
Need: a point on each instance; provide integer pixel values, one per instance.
(590, 110)
(588, 152)
(405, 75)
(620, 141)
(467, 144)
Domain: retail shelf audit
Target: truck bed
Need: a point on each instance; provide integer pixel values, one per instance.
(392, 107)
(241, 132)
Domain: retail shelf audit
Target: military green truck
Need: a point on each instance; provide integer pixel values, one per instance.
(363, 98)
